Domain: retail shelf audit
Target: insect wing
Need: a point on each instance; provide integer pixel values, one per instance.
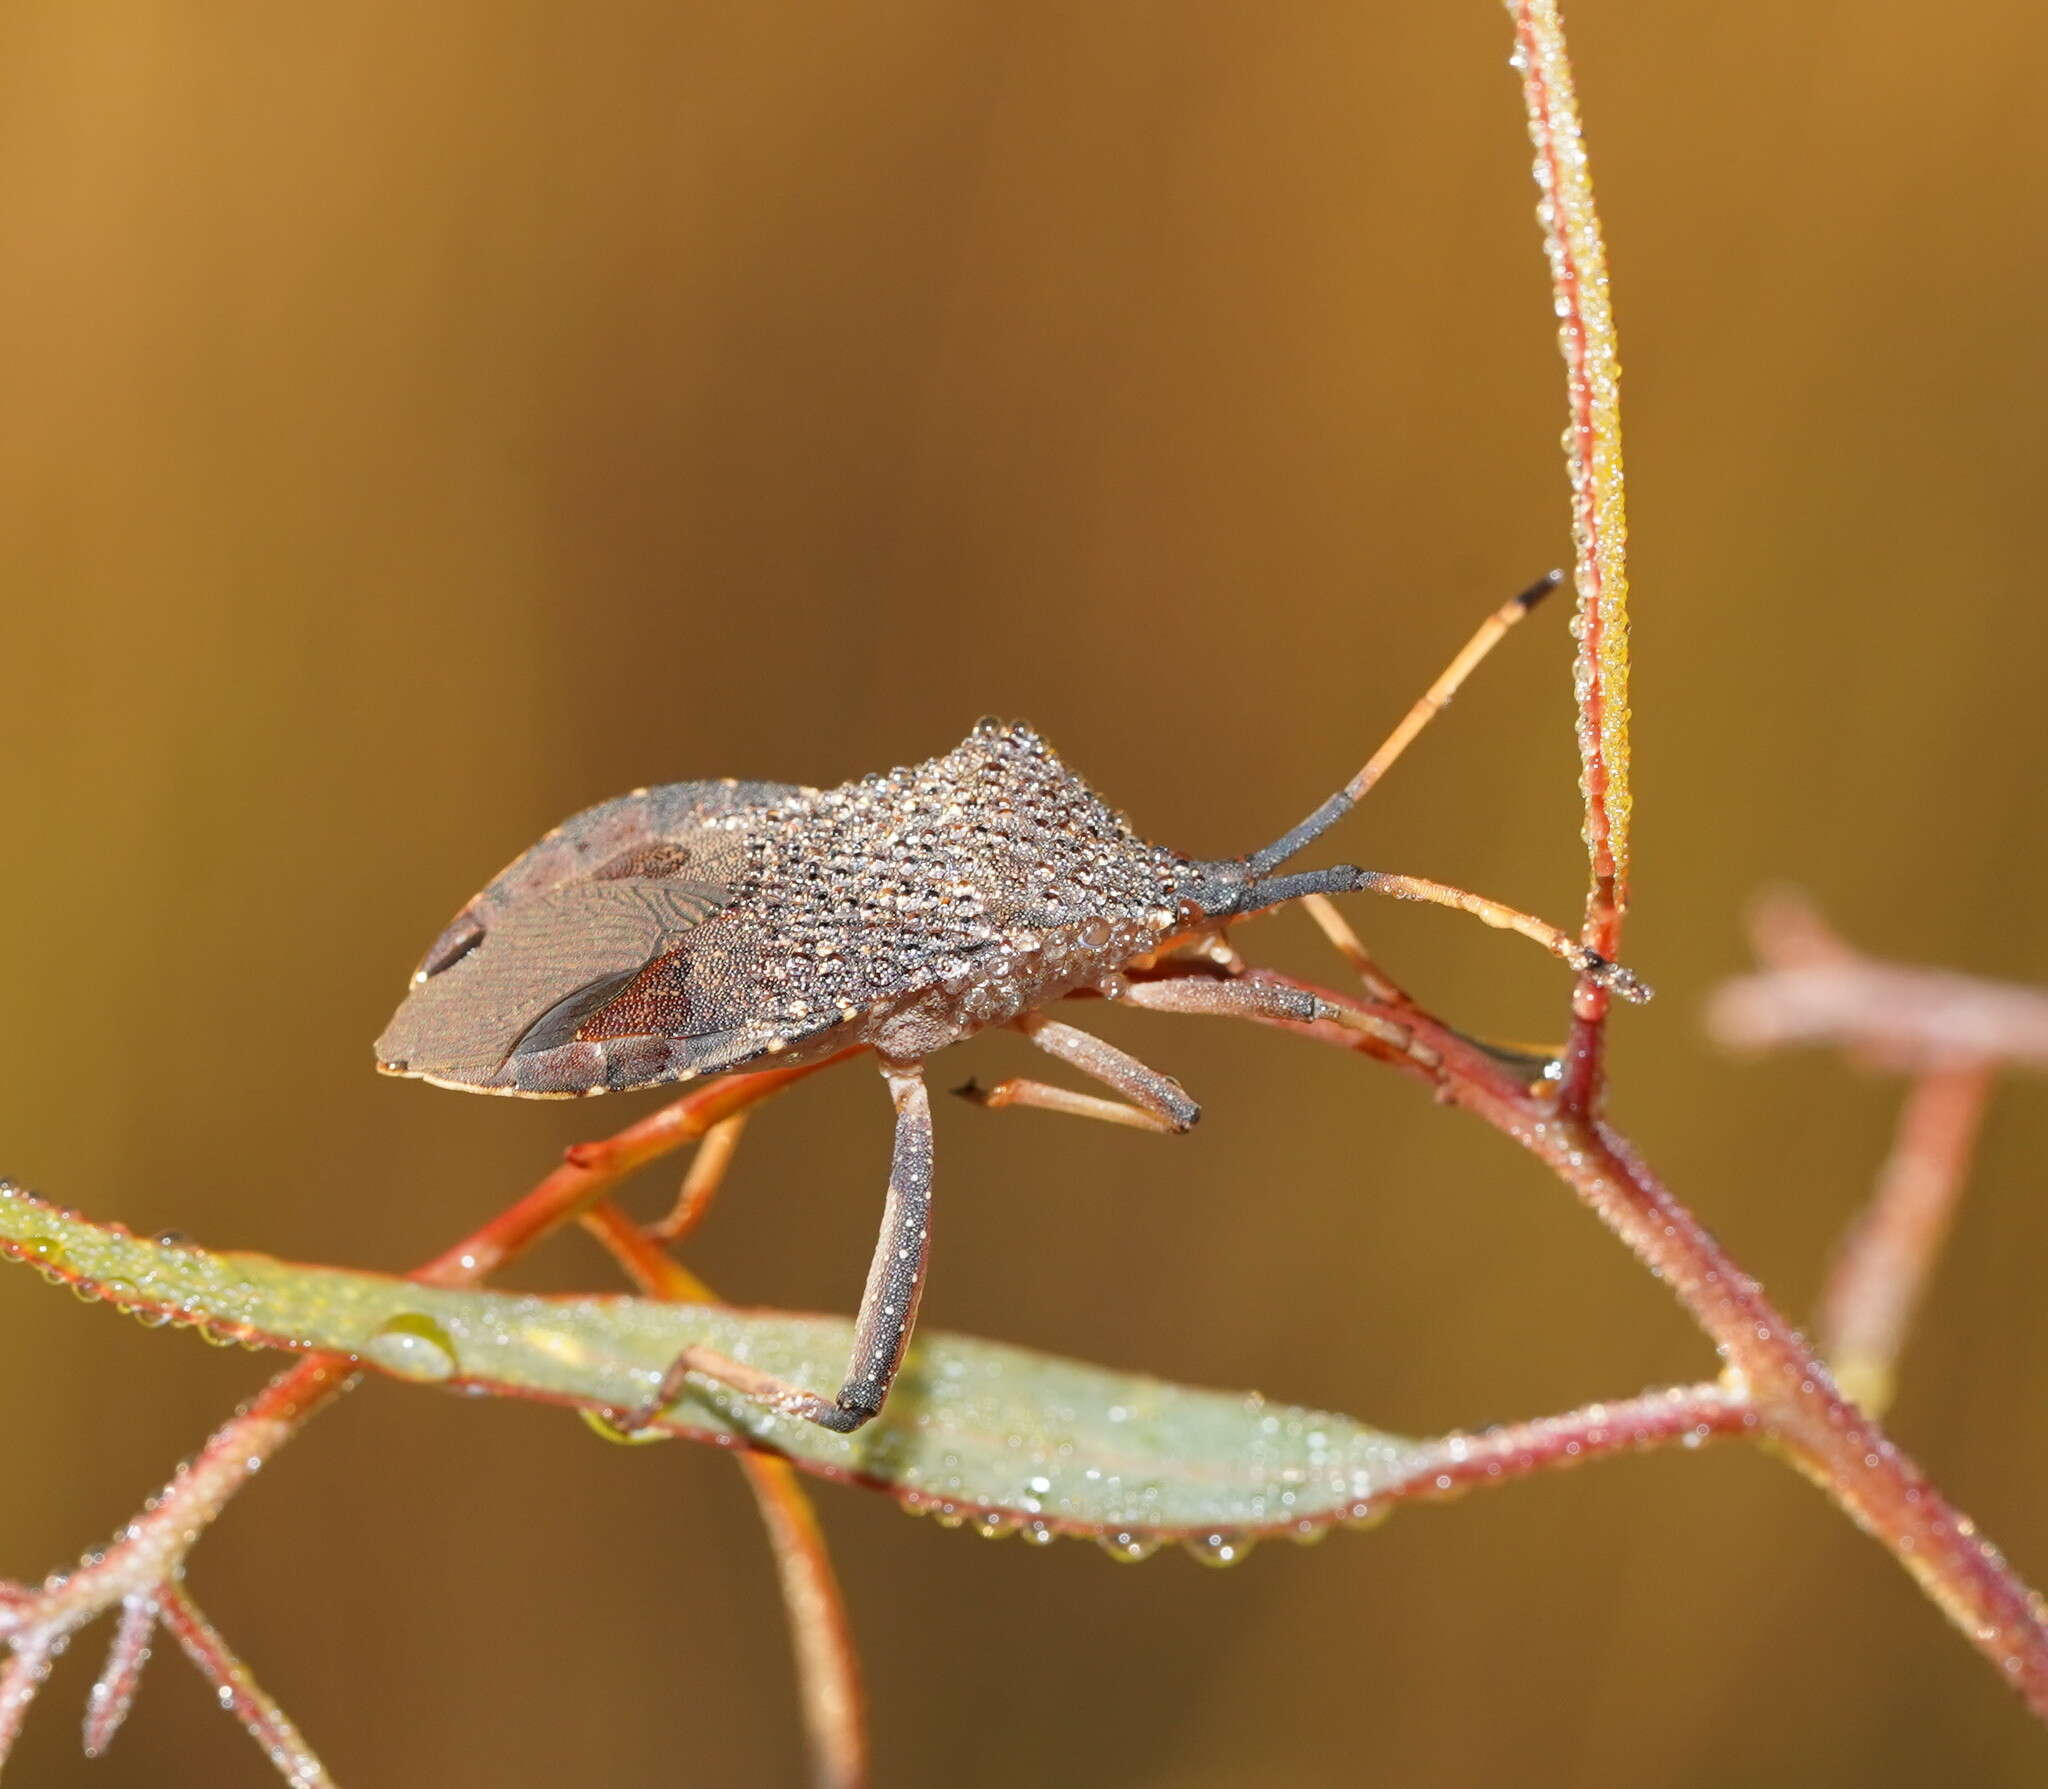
(497, 1002)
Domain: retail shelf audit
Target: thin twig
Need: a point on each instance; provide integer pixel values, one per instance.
(113, 1694)
(27, 1668)
(1816, 989)
(827, 1661)
(1881, 1267)
(1686, 1415)
(241, 1695)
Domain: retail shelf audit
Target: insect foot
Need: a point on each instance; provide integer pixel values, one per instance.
(1613, 977)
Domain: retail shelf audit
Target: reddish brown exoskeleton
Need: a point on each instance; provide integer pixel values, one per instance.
(701, 928)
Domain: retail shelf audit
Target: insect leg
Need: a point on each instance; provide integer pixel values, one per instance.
(888, 1307)
(1337, 929)
(1242, 998)
(1152, 1101)
(701, 1183)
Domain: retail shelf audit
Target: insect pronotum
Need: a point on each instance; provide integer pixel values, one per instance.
(701, 928)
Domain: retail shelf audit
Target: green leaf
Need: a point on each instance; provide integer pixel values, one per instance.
(1008, 1438)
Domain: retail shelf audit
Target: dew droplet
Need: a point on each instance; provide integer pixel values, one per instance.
(413, 1346)
(1127, 1547)
(1219, 1547)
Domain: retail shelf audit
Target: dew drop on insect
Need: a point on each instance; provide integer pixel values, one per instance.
(1127, 1547)
(413, 1346)
(1219, 1547)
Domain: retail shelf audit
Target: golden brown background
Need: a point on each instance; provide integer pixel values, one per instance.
(422, 422)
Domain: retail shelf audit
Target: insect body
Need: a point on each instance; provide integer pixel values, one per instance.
(707, 927)
(704, 926)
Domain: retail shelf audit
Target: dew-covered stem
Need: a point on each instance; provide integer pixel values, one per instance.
(821, 1635)
(1833, 1441)
(235, 1685)
(1577, 254)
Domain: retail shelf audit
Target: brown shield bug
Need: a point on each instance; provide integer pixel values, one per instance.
(701, 928)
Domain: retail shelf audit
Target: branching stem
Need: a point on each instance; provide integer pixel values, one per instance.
(1834, 1442)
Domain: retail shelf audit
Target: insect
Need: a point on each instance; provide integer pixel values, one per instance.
(701, 928)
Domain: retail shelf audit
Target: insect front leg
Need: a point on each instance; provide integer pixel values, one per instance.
(1152, 1101)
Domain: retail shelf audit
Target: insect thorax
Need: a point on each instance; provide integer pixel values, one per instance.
(934, 900)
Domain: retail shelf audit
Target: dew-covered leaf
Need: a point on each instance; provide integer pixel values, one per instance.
(1011, 1439)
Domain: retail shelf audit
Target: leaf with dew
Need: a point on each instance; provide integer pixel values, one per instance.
(1012, 1440)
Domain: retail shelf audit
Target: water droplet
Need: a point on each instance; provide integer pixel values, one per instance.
(995, 1525)
(1037, 1534)
(1128, 1547)
(1219, 1547)
(413, 1346)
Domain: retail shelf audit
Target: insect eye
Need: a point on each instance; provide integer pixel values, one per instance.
(452, 946)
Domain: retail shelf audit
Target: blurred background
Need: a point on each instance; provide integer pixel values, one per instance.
(421, 425)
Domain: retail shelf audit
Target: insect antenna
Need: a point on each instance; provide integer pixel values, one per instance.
(1432, 702)
(1344, 879)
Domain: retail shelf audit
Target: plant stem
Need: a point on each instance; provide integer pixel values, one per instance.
(1882, 1264)
(1685, 1414)
(1828, 1437)
(241, 1695)
(827, 1661)
(1577, 254)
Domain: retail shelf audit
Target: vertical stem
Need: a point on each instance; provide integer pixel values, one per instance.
(828, 1663)
(1578, 271)
(1881, 1268)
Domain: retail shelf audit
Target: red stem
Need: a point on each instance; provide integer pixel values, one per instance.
(1834, 1442)
(1881, 1269)
(827, 1660)
(241, 1695)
